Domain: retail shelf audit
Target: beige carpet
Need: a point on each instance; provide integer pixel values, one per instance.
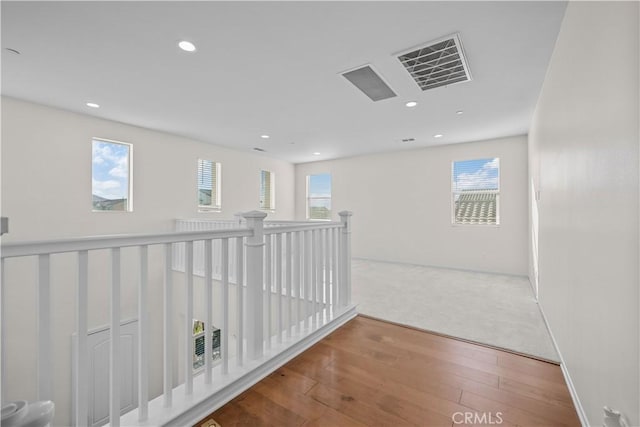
(493, 309)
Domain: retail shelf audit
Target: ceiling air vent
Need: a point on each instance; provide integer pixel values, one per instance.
(369, 82)
(439, 63)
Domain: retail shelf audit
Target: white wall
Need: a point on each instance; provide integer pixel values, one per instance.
(46, 192)
(408, 219)
(584, 161)
(46, 176)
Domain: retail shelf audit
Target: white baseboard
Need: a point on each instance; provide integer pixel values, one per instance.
(563, 366)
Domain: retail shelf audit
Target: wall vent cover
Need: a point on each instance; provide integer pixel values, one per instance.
(369, 82)
(439, 63)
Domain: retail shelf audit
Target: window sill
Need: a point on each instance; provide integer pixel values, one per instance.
(476, 225)
(203, 209)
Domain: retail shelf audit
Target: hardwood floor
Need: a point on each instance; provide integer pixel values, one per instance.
(373, 373)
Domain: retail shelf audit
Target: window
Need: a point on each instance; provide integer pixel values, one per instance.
(111, 176)
(267, 190)
(208, 185)
(476, 191)
(319, 196)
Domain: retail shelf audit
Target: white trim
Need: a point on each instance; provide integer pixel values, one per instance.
(565, 372)
(187, 410)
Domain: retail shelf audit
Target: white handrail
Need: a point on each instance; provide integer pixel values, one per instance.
(302, 227)
(19, 249)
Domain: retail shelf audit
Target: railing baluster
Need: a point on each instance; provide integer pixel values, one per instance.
(279, 285)
(188, 317)
(3, 322)
(208, 324)
(290, 262)
(114, 356)
(317, 255)
(45, 366)
(82, 354)
(240, 300)
(224, 326)
(168, 319)
(334, 270)
(143, 333)
(295, 285)
(300, 279)
(267, 286)
(325, 275)
(308, 301)
(232, 261)
(320, 275)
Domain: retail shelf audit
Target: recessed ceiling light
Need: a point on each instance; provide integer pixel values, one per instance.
(459, 112)
(92, 105)
(264, 136)
(187, 46)
(411, 104)
(316, 154)
(438, 135)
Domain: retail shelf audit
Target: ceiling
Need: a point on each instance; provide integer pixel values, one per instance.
(274, 68)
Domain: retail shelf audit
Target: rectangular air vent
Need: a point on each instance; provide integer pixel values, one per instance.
(439, 63)
(369, 82)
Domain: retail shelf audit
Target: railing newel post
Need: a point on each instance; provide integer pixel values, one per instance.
(345, 285)
(255, 252)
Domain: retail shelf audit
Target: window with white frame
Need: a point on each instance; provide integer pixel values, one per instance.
(475, 191)
(209, 185)
(319, 196)
(267, 190)
(111, 183)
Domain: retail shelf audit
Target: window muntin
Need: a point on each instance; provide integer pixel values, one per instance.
(111, 176)
(209, 185)
(475, 192)
(319, 196)
(267, 190)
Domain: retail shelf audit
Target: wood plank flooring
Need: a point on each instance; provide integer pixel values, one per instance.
(373, 373)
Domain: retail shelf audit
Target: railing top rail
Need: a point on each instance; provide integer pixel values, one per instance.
(302, 227)
(231, 221)
(287, 222)
(29, 248)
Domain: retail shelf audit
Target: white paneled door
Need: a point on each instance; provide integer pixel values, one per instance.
(98, 344)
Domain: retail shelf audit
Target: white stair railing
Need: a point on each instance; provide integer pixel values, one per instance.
(290, 287)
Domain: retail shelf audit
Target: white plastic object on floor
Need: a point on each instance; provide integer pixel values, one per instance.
(24, 414)
(613, 418)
